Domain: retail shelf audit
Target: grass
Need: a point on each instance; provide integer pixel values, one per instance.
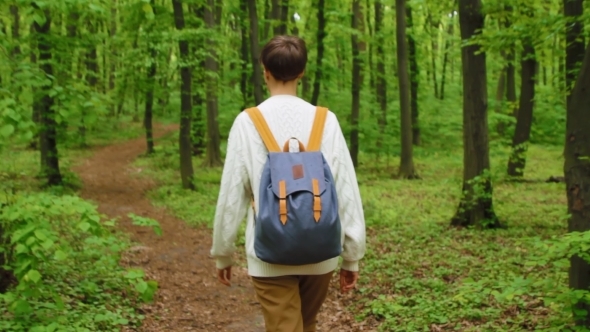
(419, 274)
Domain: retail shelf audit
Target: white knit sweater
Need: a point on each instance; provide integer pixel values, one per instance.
(287, 116)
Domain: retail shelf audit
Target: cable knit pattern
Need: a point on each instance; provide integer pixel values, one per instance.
(288, 117)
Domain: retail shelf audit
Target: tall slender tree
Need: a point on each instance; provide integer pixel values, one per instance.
(524, 118)
(255, 52)
(150, 84)
(406, 169)
(358, 47)
(381, 80)
(475, 208)
(414, 79)
(48, 124)
(213, 158)
(184, 137)
(321, 34)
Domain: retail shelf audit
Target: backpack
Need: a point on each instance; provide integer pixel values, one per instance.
(297, 222)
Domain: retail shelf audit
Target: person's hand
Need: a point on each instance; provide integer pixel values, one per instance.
(224, 276)
(348, 280)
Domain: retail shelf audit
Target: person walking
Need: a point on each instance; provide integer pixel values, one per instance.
(302, 202)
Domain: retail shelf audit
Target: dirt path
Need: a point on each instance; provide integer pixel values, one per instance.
(189, 297)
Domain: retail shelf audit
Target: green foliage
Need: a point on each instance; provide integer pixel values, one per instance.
(66, 263)
(146, 222)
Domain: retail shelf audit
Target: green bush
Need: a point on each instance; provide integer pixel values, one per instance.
(65, 260)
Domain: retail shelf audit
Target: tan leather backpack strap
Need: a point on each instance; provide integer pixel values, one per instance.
(317, 131)
(263, 130)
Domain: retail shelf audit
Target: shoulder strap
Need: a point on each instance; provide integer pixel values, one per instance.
(317, 131)
(263, 130)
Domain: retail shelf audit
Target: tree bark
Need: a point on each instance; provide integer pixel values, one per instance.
(577, 175)
(113, 52)
(406, 169)
(186, 107)
(284, 19)
(321, 34)
(213, 158)
(510, 69)
(381, 81)
(15, 30)
(48, 132)
(574, 39)
(517, 160)
(255, 52)
(434, 53)
(414, 77)
(475, 208)
(357, 78)
(244, 52)
(443, 80)
(149, 95)
(198, 100)
(92, 73)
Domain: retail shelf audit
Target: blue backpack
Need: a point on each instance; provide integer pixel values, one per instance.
(297, 222)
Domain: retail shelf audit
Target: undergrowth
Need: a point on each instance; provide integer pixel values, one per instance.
(59, 257)
(419, 274)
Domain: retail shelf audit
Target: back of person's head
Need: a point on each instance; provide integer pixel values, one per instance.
(285, 57)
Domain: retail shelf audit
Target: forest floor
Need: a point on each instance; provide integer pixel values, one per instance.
(189, 298)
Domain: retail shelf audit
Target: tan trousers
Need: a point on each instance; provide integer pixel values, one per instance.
(291, 303)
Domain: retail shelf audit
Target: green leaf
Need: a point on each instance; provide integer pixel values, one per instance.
(84, 226)
(34, 276)
(135, 274)
(6, 130)
(60, 255)
(148, 294)
(20, 307)
(141, 286)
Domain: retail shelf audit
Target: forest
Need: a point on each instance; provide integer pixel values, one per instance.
(468, 122)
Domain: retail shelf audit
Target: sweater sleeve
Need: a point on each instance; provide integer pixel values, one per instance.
(350, 204)
(232, 203)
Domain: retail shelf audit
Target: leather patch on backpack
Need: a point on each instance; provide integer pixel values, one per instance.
(297, 172)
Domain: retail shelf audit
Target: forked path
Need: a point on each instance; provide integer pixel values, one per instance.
(189, 298)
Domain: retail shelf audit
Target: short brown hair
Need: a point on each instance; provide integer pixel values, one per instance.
(285, 57)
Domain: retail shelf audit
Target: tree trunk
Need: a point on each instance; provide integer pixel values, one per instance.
(321, 34)
(446, 59)
(434, 53)
(357, 78)
(244, 49)
(255, 52)
(48, 132)
(517, 160)
(113, 52)
(36, 107)
(574, 39)
(577, 175)
(475, 208)
(149, 95)
(198, 100)
(212, 67)
(184, 137)
(500, 92)
(381, 80)
(15, 30)
(275, 16)
(91, 79)
(414, 77)
(406, 169)
(510, 70)
(284, 19)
